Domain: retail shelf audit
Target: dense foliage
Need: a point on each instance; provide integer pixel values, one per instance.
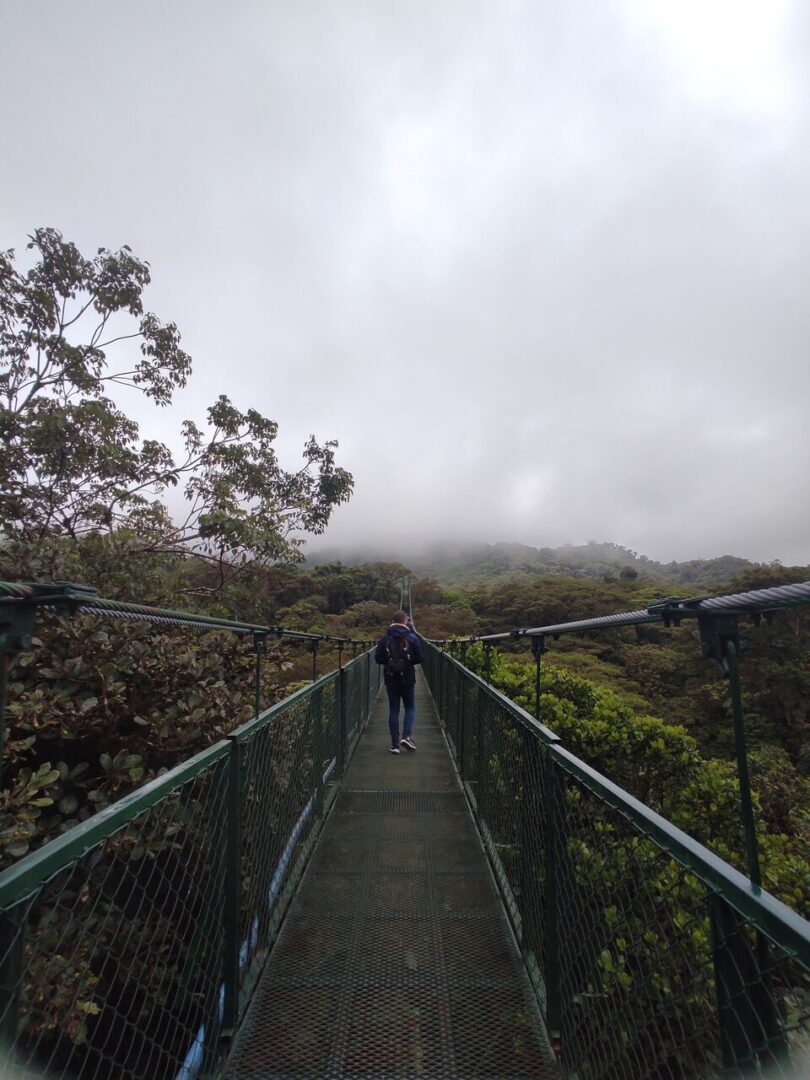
(73, 331)
(97, 708)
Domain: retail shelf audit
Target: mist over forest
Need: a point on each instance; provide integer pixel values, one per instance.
(455, 562)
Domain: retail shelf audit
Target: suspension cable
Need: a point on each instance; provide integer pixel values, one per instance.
(757, 603)
(67, 598)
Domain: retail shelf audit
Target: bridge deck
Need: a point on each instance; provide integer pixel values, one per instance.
(396, 959)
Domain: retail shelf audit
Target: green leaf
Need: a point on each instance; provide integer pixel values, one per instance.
(44, 779)
(606, 960)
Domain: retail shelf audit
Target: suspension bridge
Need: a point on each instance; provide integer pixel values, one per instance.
(295, 902)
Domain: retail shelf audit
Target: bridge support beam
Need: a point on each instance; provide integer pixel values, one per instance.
(342, 732)
(749, 1021)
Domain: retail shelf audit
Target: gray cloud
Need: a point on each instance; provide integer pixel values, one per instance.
(540, 268)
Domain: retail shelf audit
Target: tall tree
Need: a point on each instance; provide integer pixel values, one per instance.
(74, 463)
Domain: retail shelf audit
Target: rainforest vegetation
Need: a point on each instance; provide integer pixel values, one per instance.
(98, 707)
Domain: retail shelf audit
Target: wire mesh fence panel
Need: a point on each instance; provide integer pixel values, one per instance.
(354, 701)
(467, 749)
(125, 943)
(451, 708)
(660, 976)
(364, 672)
(633, 935)
(499, 791)
(635, 961)
(361, 687)
(288, 764)
(113, 965)
(374, 682)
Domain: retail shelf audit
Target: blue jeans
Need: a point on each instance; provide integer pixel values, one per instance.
(407, 695)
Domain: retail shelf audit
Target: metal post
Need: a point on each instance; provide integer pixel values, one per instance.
(480, 756)
(747, 1003)
(462, 715)
(488, 662)
(740, 1026)
(530, 834)
(342, 748)
(258, 648)
(531, 820)
(538, 648)
(720, 639)
(555, 856)
(233, 889)
(746, 803)
(315, 660)
(442, 681)
(5, 664)
(319, 757)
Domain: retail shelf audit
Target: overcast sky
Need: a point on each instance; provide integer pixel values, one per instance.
(542, 268)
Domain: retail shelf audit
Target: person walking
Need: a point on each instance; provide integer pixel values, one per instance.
(399, 651)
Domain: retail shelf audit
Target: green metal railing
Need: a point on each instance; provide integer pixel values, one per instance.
(129, 946)
(21, 602)
(717, 619)
(644, 948)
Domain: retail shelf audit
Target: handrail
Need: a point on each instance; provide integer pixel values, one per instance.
(649, 954)
(70, 598)
(189, 877)
(787, 929)
(19, 879)
(782, 924)
(21, 601)
(543, 733)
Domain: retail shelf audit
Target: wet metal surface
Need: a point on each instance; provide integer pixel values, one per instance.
(396, 960)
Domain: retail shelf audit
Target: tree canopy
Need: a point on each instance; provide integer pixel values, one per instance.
(72, 330)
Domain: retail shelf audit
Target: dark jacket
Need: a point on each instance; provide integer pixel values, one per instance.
(398, 630)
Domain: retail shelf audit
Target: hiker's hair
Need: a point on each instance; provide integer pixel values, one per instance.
(400, 617)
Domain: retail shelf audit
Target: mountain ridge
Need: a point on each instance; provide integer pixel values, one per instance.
(455, 563)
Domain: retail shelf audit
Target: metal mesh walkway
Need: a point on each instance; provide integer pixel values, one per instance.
(396, 959)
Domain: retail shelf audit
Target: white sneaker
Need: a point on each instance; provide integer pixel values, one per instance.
(408, 742)
(394, 749)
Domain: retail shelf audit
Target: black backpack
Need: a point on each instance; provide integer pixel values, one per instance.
(398, 664)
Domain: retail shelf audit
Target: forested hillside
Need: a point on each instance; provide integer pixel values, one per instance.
(105, 707)
(469, 564)
(97, 708)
